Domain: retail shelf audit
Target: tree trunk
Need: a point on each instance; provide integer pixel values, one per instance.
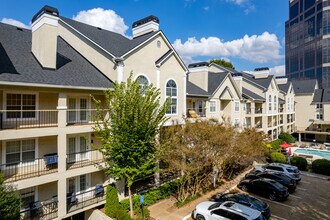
(130, 202)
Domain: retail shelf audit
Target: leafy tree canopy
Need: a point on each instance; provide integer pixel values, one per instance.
(222, 62)
(9, 201)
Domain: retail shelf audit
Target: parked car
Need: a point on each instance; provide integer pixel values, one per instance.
(283, 179)
(226, 210)
(289, 170)
(244, 199)
(265, 187)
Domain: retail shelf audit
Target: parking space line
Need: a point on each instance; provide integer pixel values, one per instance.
(303, 189)
(262, 198)
(277, 217)
(295, 196)
(186, 217)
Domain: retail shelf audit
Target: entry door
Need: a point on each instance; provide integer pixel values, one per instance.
(83, 109)
(83, 148)
(78, 148)
(72, 150)
(78, 115)
(200, 107)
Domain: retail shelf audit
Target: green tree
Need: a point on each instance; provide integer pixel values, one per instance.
(222, 62)
(9, 201)
(129, 129)
(288, 138)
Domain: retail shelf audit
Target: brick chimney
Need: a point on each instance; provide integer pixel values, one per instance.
(145, 25)
(44, 36)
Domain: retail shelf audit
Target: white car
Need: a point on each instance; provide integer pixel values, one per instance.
(225, 211)
(289, 170)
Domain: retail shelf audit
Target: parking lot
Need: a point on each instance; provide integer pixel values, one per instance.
(311, 200)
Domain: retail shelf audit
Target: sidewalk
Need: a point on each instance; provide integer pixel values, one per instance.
(166, 209)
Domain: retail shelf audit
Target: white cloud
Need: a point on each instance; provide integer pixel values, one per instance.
(206, 8)
(15, 23)
(256, 48)
(277, 70)
(106, 19)
(238, 2)
(246, 4)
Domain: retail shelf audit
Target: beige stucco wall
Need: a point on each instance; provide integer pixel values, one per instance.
(47, 145)
(304, 111)
(199, 78)
(97, 178)
(48, 101)
(326, 111)
(47, 191)
(96, 56)
(44, 45)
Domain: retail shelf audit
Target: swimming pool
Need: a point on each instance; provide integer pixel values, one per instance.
(324, 154)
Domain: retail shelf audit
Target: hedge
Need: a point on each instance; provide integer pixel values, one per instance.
(321, 166)
(288, 138)
(276, 144)
(277, 157)
(300, 162)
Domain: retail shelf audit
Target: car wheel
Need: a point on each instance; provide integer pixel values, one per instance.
(272, 196)
(244, 188)
(200, 217)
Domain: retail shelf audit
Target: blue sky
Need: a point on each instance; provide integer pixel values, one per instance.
(249, 33)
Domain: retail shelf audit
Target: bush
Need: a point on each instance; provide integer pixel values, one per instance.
(288, 138)
(277, 157)
(300, 162)
(121, 214)
(276, 144)
(112, 201)
(321, 166)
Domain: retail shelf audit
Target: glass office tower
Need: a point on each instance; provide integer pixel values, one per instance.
(307, 41)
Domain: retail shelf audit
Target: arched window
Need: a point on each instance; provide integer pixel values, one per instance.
(171, 92)
(144, 82)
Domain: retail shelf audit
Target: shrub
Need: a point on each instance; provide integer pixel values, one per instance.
(276, 144)
(277, 157)
(288, 138)
(138, 212)
(112, 201)
(300, 162)
(121, 214)
(321, 166)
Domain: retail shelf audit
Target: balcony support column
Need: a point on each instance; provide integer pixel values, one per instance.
(62, 109)
(61, 184)
(61, 195)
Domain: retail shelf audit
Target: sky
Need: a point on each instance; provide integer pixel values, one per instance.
(248, 33)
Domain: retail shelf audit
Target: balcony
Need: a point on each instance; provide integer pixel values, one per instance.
(258, 110)
(196, 112)
(83, 116)
(248, 111)
(41, 210)
(13, 119)
(81, 200)
(84, 158)
(28, 169)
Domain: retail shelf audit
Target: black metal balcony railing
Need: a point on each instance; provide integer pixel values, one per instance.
(196, 112)
(82, 116)
(84, 158)
(81, 200)
(27, 169)
(13, 119)
(248, 111)
(258, 125)
(41, 210)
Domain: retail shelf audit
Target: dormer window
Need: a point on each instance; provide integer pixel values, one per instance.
(319, 106)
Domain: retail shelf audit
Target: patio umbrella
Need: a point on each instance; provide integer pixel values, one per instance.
(285, 145)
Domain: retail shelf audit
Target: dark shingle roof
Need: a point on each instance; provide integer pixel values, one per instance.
(322, 95)
(284, 87)
(263, 82)
(249, 94)
(214, 81)
(114, 43)
(304, 86)
(17, 63)
(192, 89)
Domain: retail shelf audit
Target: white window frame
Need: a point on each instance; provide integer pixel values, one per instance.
(319, 105)
(77, 184)
(33, 189)
(79, 156)
(20, 93)
(238, 122)
(213, 106)
(20, 164)
(319, 116)
(236, 108)
(78, 98)
(174, 97)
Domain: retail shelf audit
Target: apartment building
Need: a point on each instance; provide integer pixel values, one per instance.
(248, 100)
(47, 78)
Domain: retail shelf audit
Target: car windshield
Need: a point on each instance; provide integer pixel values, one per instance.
(292, 170)
(213, 206)
(258, 203)
(277, 185)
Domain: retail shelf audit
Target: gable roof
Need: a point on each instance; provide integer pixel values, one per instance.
(214, 81)
(227, 69)
(249, 94)
(304, 86)
(261, 82)
(193, 89)
(284, 87)
(114, 43)
(321, 95)
(18, 65)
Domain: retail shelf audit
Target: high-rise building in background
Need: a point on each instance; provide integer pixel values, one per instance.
(307, 41)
